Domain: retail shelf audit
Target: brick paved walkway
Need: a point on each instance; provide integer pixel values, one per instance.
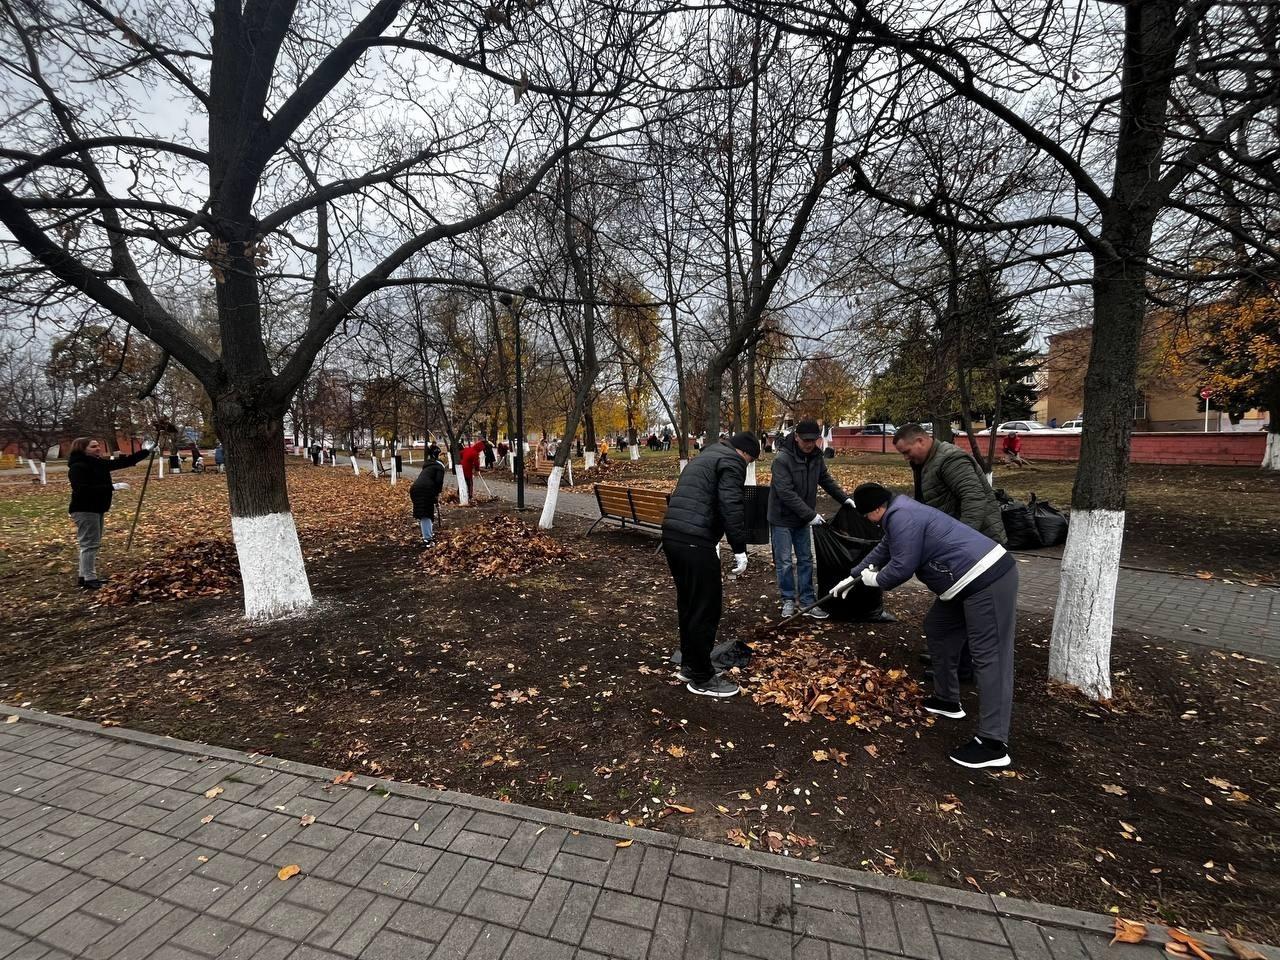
(111, 847)
(1226, 616)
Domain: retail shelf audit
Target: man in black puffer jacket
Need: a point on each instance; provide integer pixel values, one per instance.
(708, 503)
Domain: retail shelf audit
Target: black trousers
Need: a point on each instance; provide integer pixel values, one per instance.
(696, 571)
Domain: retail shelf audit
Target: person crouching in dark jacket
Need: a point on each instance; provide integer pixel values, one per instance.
(708, 503)
(89, 472)
(425, 493)
(976, 582)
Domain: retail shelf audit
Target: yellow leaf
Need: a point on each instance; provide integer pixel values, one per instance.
(676, 751)
(1129, 931)
(213, 792)
(821, 756)
(624, 843)
(292, 870)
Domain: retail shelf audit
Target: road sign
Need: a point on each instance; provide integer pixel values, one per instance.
(1206, 393)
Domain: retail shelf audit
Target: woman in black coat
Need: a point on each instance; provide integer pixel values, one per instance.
(89, 472)
(425, 493)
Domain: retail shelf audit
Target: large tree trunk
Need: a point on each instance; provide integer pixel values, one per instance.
(271, 565)
(1080, 651)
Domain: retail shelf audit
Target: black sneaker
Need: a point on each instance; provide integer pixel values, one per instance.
(944, 708)
(685, 678)
(926, 659)
(817, 613)
(980, 753)
(715, 687)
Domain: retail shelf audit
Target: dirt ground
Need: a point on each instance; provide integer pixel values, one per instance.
(439, 669)
(1223, 520)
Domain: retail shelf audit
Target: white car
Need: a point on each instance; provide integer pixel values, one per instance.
(1015, 426)
(1072, 426)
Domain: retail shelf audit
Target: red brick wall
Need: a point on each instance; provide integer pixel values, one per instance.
(1209, 449)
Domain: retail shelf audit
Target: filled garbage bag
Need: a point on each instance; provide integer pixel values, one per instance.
(1050, 522)
(1019, 525)
(837, 547)
(756, 511)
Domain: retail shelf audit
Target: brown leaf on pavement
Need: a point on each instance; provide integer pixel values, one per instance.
(1129, 931)
(213, 792)
(292, 870)
(1190, 942)
(345, 777)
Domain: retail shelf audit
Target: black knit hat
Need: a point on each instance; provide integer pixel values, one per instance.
(808, 430)
(869, 496)
(747, 443)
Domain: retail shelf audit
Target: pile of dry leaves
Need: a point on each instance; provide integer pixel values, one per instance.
(205, 568)
(808, 678)
(507, 547)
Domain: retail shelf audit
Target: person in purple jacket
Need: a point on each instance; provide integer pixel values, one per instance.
(976, 582)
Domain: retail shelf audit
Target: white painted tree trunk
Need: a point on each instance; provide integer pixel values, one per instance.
(751, 474)
(991, 479)
(160, 460)
(355, 466)
(44, 476)
(463, 498)
(511, 461)
(1080, 650)
(271, 565)
(1271, 456)
(570, 471)
(548, 518)
(588, 460)
(35, 471)
(393, 470)
(635, 451)
(683, 464)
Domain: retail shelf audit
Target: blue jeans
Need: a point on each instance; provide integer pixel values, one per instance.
(427, 530)
(785, 540)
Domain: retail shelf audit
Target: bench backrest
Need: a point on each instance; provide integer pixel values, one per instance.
(649, 506)
(632, 503)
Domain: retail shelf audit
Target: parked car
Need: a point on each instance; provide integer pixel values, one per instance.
(878, 430)
(1015, 426)
(1072, 426)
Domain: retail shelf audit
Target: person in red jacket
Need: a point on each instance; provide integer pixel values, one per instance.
(471, 463)
(1013, 449)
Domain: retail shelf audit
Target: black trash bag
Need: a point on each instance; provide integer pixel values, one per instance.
(1050, 522)
(838, 546)
(1019, 525)
(756, 514)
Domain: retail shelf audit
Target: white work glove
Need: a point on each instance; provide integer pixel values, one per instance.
(739, 564)
(850, 504)
(844, 587)
(817, 519)
(148, 445)
(119, 486)
(869, 577)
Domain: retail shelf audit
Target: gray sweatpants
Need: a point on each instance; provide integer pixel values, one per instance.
(987, 619)
(89, 537)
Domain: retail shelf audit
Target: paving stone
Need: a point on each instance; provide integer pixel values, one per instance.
(389, 944)
(525, 946)
(956, 948)
(913, 929)
(545, 849)
(208, 935)
(614, 939)
(569, 866)
(483, 845)
(517, 847)
(142, 933)
(75, 932)
(696, 895)
(651, 880)
(713, 872)
(494, 824)
(586, 845)
(254, 945)
(878, 924)
(542, 913)
(496, 907)
(366, 925)
(705, 936)
(392, 881)
(753, 940)
(829, 897)
(441, 874)
(463, 885)
(827, 924)
(337, 920)
(512, 880)
(967, 924)
(1026, 939)
(424, 923)
(624, 908)
(442, 835)
(456, 944)
(575, 911)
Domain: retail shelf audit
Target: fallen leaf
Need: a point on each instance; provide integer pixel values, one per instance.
(624, 843)
(1129, 931)
(1242, 950)
(821, 756)
(213, 792)
(292, 870)
(679, 808)
(1176, 949)
(1204, 574)
(202, 858)
(871, 749)
(1191, 943)
(346, 777)
(738, 838)
(1127, 827)
(1114, 789)
(1219, 783)
(307, 819)
(11, 718)
(676, 751)
(208, 819)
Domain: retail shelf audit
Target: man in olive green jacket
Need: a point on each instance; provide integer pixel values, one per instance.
(950, 480)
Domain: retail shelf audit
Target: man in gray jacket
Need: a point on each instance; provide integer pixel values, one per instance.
(798, 470)
(976, 582)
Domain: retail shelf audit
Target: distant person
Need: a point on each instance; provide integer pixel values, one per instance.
(1012, 449)
(490, 457)
(89, 472)
(708, 503)
(425, 494)
(1053, 423)
(471, 463)
(603, 447)
(219, 457)
(976, 583)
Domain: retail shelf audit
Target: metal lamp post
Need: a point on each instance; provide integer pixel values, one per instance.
(509, 302)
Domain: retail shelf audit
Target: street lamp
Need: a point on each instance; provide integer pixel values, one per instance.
(509, 302)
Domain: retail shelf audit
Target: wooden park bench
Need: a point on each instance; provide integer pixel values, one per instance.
(634, 505)
(538, 467)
